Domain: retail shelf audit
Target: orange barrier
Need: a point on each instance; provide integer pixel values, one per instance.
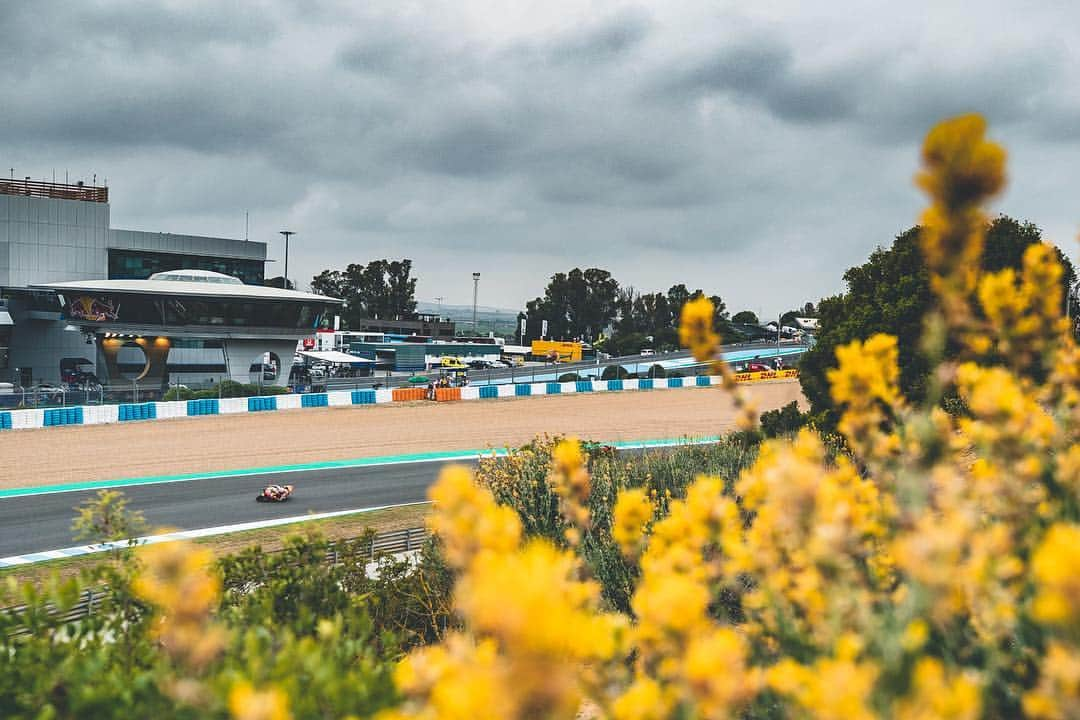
(768, 375)
(404, 394)
(447, 394)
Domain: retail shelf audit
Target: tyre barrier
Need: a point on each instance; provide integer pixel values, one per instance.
(140, 411)
(447, 394)
(63, 416)
(103, 414)
(259, 404)
(315, 400)
(406, 394)
(207, 406)
(363, 397)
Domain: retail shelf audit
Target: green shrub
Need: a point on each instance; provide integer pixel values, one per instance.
(785, 421)
(614, 372)
(178, 393)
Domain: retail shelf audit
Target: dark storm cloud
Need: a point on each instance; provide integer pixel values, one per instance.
(519, 140)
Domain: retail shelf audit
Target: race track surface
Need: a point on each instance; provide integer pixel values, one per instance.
(35, 523)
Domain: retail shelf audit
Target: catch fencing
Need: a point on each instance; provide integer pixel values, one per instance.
(90, 600)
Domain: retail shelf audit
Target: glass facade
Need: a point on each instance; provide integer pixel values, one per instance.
(165, 310)
(140, 265)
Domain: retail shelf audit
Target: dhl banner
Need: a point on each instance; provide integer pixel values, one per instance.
(768, 375)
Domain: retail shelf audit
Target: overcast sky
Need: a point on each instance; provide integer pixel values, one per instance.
(755, 149)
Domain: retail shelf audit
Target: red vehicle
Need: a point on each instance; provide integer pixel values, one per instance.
(757, 367)
(275, 493)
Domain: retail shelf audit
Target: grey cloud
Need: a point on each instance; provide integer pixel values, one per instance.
(611, 38)
(467, 135)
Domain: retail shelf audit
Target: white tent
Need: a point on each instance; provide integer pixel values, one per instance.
(335, 358)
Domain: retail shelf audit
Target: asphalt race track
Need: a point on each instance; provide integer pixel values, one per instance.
(34, 523)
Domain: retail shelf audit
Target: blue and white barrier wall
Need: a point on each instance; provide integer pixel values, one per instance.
(140, 412)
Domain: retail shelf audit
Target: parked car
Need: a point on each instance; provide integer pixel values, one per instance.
(645, 352)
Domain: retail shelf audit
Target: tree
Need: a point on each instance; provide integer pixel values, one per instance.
(380, 289)
(577, 304)
(656, 316)
(745, 317)
(890, 293)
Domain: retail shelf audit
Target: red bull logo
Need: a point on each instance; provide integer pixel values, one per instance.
(93, 309)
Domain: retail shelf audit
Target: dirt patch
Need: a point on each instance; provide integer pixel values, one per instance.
(51, 456)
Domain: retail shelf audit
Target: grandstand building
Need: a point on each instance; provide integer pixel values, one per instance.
(135, 307)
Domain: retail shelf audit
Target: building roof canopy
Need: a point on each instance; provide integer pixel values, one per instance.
(181, 285)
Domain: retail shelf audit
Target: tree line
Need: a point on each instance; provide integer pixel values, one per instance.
(592, 306)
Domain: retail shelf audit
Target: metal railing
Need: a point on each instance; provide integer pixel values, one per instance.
(58, 191)
(386, 543)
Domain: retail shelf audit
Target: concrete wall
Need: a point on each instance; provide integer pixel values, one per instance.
(240, 355)
(39, 345)
(45, 240)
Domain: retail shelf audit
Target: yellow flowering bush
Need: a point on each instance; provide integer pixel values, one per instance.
(931, 570)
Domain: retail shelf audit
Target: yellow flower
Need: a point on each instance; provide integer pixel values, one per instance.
(247, 703)
(915, 635)
(719, 693)
(962, 167)
(866, 371)
(696, 329)
(631, 514)
(572, 484)
(936, 695)
(643, 700)
(530, 601)
(468, 520)
(1055, 567)
(962, 170)
(177, 579)
(460, 680)
(567, 455)
(830, 689)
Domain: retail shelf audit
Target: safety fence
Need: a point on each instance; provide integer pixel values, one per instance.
(104, 414)
(386, 543)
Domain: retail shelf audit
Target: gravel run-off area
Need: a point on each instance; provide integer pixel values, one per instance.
(50, 456)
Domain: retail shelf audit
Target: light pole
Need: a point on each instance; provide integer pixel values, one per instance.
(779, 323)
(286, 233)
(475, 292)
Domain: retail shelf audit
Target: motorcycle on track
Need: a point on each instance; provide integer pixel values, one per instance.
(275, 493)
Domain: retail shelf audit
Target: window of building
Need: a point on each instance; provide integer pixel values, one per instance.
(140, 265)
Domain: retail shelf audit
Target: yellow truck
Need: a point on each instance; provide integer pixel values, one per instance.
(452, 363)
(552, 350)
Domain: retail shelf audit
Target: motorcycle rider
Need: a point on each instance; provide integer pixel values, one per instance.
(275, 492)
